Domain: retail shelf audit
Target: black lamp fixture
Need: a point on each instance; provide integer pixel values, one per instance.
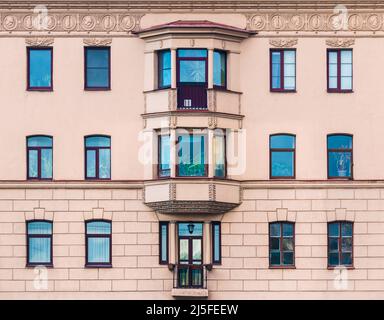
(191, 227)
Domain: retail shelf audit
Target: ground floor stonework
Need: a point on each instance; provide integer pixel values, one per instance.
(285, 240)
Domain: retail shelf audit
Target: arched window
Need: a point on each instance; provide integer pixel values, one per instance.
(339, 156)
(282, 156)
(98, 242)
(340, 243)
(97, 157)
(281, 244)
(39, 157)
(39, 242)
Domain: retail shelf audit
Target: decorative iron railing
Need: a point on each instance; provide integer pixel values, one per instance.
(190, 276)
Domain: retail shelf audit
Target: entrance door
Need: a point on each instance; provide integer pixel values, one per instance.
(190, 267)
(192, 83)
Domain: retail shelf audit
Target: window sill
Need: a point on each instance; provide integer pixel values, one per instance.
(97, 89)
(341, 267)
(98, 265)
(283, 91)
(34, 265)
(189, 292)
(340, 91)
(282, 267)
(40, 89)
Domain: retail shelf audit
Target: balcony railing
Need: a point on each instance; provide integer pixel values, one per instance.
(190, 276)
(192, 98)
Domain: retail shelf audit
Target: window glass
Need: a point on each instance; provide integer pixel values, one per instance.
(40, 68)
(164, 156)
(216, 242)
(339, 156)
(39, 235)
(163, 242)
(191, 155)
(164, 68)
(281, 244)
(98, 141)
(282, 155)
(33, 169)
(46, 163)
(192, 53)
(186, 228)
(98, 237)
(98, 157)
(219, 154)
(193, 71)
(219, 68)
(97, 67)
(104, 163)
(39, 151)
(340, 243)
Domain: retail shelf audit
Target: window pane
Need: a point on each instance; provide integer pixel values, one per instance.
(196, 252)
(346, 229)
(332, 57)
(346, 258)
(191, 155)
(39, 141)
(165, 153)
(282, 164)
(40, 68)
(216, 237)
(287, 230)
(274, 230)
(288, 258)
(164, 68)
(104, 163)
(164, 242)
(98, 250)
(276, 57)
(333, 259)
(276, 82)
(333, 229)
(289, 83)
(33, 163)
(185, 228)
(339, 164)
(91, 164)
(346, 70)
(339, 142)
(332, 70)
(289, 70)
(196, 275)
(219, 155)
(332, 82)
(275, 258)
(346, 244)
(275, 243)
(184, 253)
(192, 53)
(333, 244)
(192, 71)
(98, 141)
(165, 78)
(97, 78)
(287, 244)
(99, 227)
(219, 64)
(39, 250)
(46, 163)
(289, 56)
(39, 227)
(97, 58)
(346, 83)
(346, 56)
(282, 141)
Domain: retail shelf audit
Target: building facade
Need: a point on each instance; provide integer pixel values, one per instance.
(175, 149)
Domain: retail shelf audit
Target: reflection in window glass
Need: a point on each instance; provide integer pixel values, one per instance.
(283, 69)
(340, 69)
(339, 156)
(281, 244)
(219, 68)
(164, 68)
(40, 68)
(219, 152)
(191, 155)
(39, 155)
(282, 156)
(340, 241)
(164, 156)
(98, 237)
(39, 239)
(98, 157)
(97, 62)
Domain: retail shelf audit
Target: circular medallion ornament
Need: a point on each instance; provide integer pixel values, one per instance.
(28, 22)
(257, 22)
(108, 23)
(336, 22)
(296, 22)
(316, 22)
(10, 23)
(355, 22)
(374, 21)
(277, 22)
(88, 23)
(127, 22)
(49, 23)
(68, 22)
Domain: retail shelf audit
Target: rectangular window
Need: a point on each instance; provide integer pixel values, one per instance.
(339, 156)
(282, 156)
(283, 69)
(219, 153)
(164, 168)
(219, 69)
(163, 234)
(98, 243)
(340, 243)
(97, 157)
(39, 242)
(281, 244)
(39, 64)
(339, 70)
(192, 154)
(164, 68)
(97, 68)
(216, 242)
(39, 157)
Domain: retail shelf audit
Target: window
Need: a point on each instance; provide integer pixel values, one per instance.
(219, 153)
(164, 168)
(39, 157)
(97, 68)
(164, 72)
(98, 243)
(39, 64)
(39, 242)
(281, 244)
(216, 242)
(192, 154)
(282, 156)
(219, 69)
(340, 243)
(339, 156)
(97, 157)
(283, 70)
(339, 70)
(163, 234)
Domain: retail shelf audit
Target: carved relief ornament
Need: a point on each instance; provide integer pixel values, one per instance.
(97, 42)
(340, 42)
(39, 42)
(283, 43)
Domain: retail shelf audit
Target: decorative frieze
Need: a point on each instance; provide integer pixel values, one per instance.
(340, 42)
(283, 43)
(39, 42)
(97, 42)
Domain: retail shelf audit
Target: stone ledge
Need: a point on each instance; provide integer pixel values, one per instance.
(182, 292)
(191, 207)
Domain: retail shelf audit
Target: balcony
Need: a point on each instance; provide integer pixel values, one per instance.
(190, 281)
(192, 196)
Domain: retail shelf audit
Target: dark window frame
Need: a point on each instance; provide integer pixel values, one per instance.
(340, 150)
(97, 157)
(29, 87)
(224, 86)
(338, 89)
(28, 236)
(161, 261)
(206, 146)
(159, 153)
(281, 89)
(160, 68)
(213, 224)
(281, 265)
(38, 157)
(339, 222)
(225, 154)
(271, 150)
(97, 88)
(87, 236)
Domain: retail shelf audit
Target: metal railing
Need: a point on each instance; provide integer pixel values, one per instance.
(190, 276)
